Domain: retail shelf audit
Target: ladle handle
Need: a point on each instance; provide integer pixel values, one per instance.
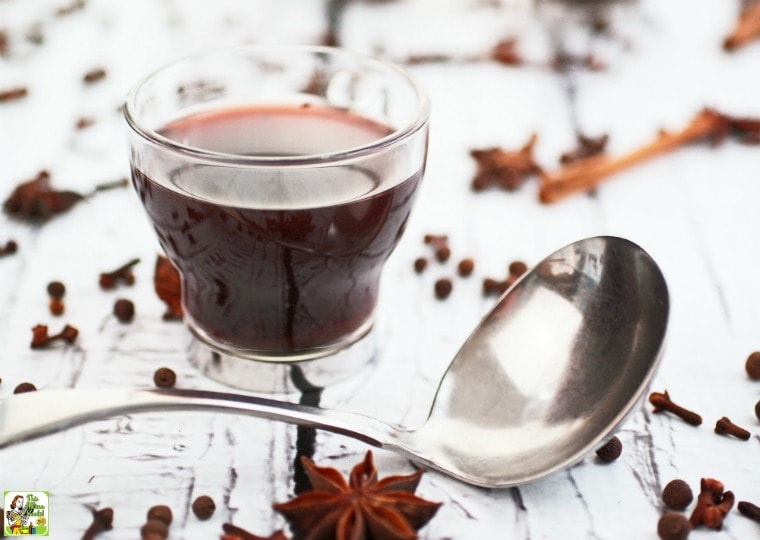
(35, 414)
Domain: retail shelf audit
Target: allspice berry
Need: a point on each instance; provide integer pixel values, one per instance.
(757, 410)
(677, 495)
(443, 288)
(611, 450)
(465, 267)
(154, 529)
(673, 526)
(420, 263)
(203, 507)
(753, 366)
(24, 387)
(162, 513)
(56, 289)
(164, 377)
(124, 310)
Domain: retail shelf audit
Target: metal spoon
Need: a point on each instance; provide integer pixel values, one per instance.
(546, 377)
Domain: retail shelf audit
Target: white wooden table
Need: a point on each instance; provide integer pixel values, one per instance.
(694, 210)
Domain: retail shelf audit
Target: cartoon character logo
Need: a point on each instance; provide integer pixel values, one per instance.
(26, 514)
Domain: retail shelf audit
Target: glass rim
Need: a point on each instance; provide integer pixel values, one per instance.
(151, 135)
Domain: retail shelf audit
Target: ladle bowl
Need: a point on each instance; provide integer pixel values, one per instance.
(547, 376)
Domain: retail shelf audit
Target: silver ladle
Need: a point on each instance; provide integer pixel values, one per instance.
(546, 378)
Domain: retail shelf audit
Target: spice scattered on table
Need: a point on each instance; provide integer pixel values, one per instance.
(165, 377)
(752, 366)
(724, 426)
(584, 174)
(337, 508)
(443, 287)
(611, 450)
(24, 387)
(677, 495)
(160, 512)
(12, 94)
(154, 529)
(124, 310)
(420, 263)
(465, 267)
(662, 402)
(102, 520)
(41, 338)
(757, 409)
(168, 287)
(497, 287)
(84, 122)
(36, 200)
(56, 290)
(504, 169)
(123, 274)
(747, 28)
(9, 248)
(713, 504)
(749, 510)
(673, 526)
(94, 75)
(203, 507)
(506, 52)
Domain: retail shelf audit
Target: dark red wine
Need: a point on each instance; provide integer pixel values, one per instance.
(274, 262)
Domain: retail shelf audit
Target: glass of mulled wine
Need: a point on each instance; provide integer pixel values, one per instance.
(278, 181)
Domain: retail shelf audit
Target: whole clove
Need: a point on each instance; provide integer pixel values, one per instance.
(713, 504)
(724, 426)
(747, 509)
(42, 339)
(102, 520)
(12, 94)
(662, 402)
(123, 274)
(94, 75)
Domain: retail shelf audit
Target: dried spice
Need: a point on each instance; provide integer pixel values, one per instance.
(465, 267)
(673, 526)
(443, 288)
(160, 512)
(504, 169)
(24, 387)
(505, 52)
(420, 263)
(757, 409)
(123, 274)
(71, 7)
(10, 248)
(713, 504)
(94, 75)
(168, 286)
(84, 122)
(365, 507)
(5, 43)
(154, 528)
(752, 366)
(12, 94)
(203, 507)
(724, 426)
(35, 200)
(747, 27)
(611, 450)
(41, 338)
(233, 532)
(102, 520)
(587, 147)
(124, 310)
(584, 174)
(662, 402)
(164, 377)
(496, 287)
(564, 61)
(677, 495)
(747, 509)
(56, 290)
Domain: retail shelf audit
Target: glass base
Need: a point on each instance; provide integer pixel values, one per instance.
(283, 374)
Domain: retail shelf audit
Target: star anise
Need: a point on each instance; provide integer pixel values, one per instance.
(168, 286)
(504, 168)
(364, 508)
(36, 200)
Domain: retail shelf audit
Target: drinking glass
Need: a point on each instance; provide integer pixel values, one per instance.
(278, 180)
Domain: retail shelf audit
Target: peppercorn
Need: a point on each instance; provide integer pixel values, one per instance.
(160, 512)
(673, 526)
(443, 288)
(24, 387)
(442, 253)
(164, 377)
(465, 267)
(124, 310)
(203, 507)
(611, 450)
(753, 366)
(757, 410)
(677, 495)
(517, 268)
(420, 263)
(56, 306)
(154, 528)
